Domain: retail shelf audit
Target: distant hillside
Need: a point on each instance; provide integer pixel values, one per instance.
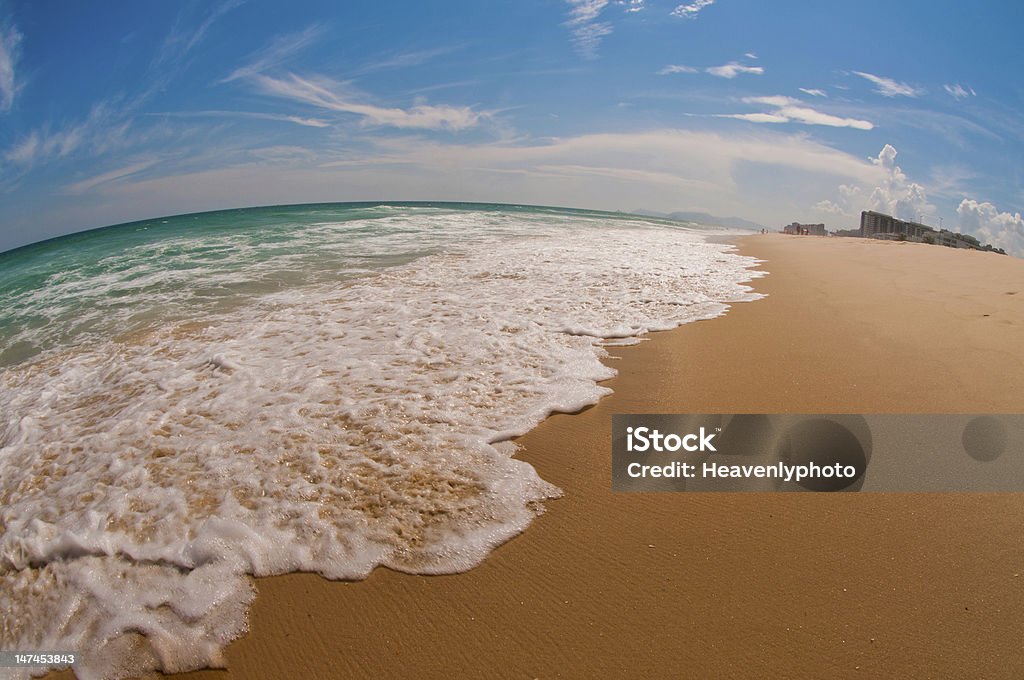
(704, 218)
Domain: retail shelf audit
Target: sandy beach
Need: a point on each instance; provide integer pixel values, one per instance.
(727, 585)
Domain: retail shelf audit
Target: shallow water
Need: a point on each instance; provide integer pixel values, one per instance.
(317, 388)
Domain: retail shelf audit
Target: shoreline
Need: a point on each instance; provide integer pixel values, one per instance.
(721, 585)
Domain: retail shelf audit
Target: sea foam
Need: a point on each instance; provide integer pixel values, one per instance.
(331, 426)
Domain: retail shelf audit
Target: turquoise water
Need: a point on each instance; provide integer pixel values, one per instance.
(328, 388)
(131, 277)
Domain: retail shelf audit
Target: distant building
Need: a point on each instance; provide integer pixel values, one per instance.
(804, 229)
(882, 226)
(879, 225)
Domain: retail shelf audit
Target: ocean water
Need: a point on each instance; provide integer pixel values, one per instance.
(328, 388)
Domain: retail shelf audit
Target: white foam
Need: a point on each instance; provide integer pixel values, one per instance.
(328, 428)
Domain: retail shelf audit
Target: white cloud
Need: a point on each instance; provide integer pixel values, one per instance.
(631, 6)
(10, 39)
(405, 59)
(107, 128)
(676, 68)
(730, 70)
(298, 120)
(896, 195)
(691, 10)
(733, 69)
(586, 31)
(1001, 229)
(789, 110)
(85, 185)
(277, 52)
(888, 191)
(663, 170)
(888, 87)
(183, 38)
(750, 55)
(814, 92)
(43, 144)
(756, 117)
(958, 92)
(830, 207)
(332, 96)
(849, 204)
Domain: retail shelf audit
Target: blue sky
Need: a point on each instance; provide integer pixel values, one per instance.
(771, 111)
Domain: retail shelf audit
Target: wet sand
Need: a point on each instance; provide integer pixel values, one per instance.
(727, 585)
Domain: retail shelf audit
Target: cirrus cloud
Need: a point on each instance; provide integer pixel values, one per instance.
(10, 40)
(329, 95)
(789, 110)
(584, 27)
(887, 87)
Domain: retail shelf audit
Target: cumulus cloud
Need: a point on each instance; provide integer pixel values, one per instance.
(887, 87)
(585, 29)
(1001, 229)
(896, 195)
(889, 191)
(10, 39)
(789, 110)
(691, 10)
(733, 69)
(332, 96)
(958, 91)
(848, 203)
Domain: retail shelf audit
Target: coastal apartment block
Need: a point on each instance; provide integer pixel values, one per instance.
(879, 225)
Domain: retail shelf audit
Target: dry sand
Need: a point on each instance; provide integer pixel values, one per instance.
(727, 585)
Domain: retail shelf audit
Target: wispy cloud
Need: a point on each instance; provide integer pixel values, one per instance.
(887, 87)
(585, 29)
(691, 10)
(730, 70)
(10, 40)
(42, 144)
(86, 185)
(297, 120)
(184, 37)
(814, 92)
(406, 59)
(107, 128)
(958, 91)
(706, 171)
(789, 110)
(676, 68)
(333, 96)
(277, 53)
(733, 69)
